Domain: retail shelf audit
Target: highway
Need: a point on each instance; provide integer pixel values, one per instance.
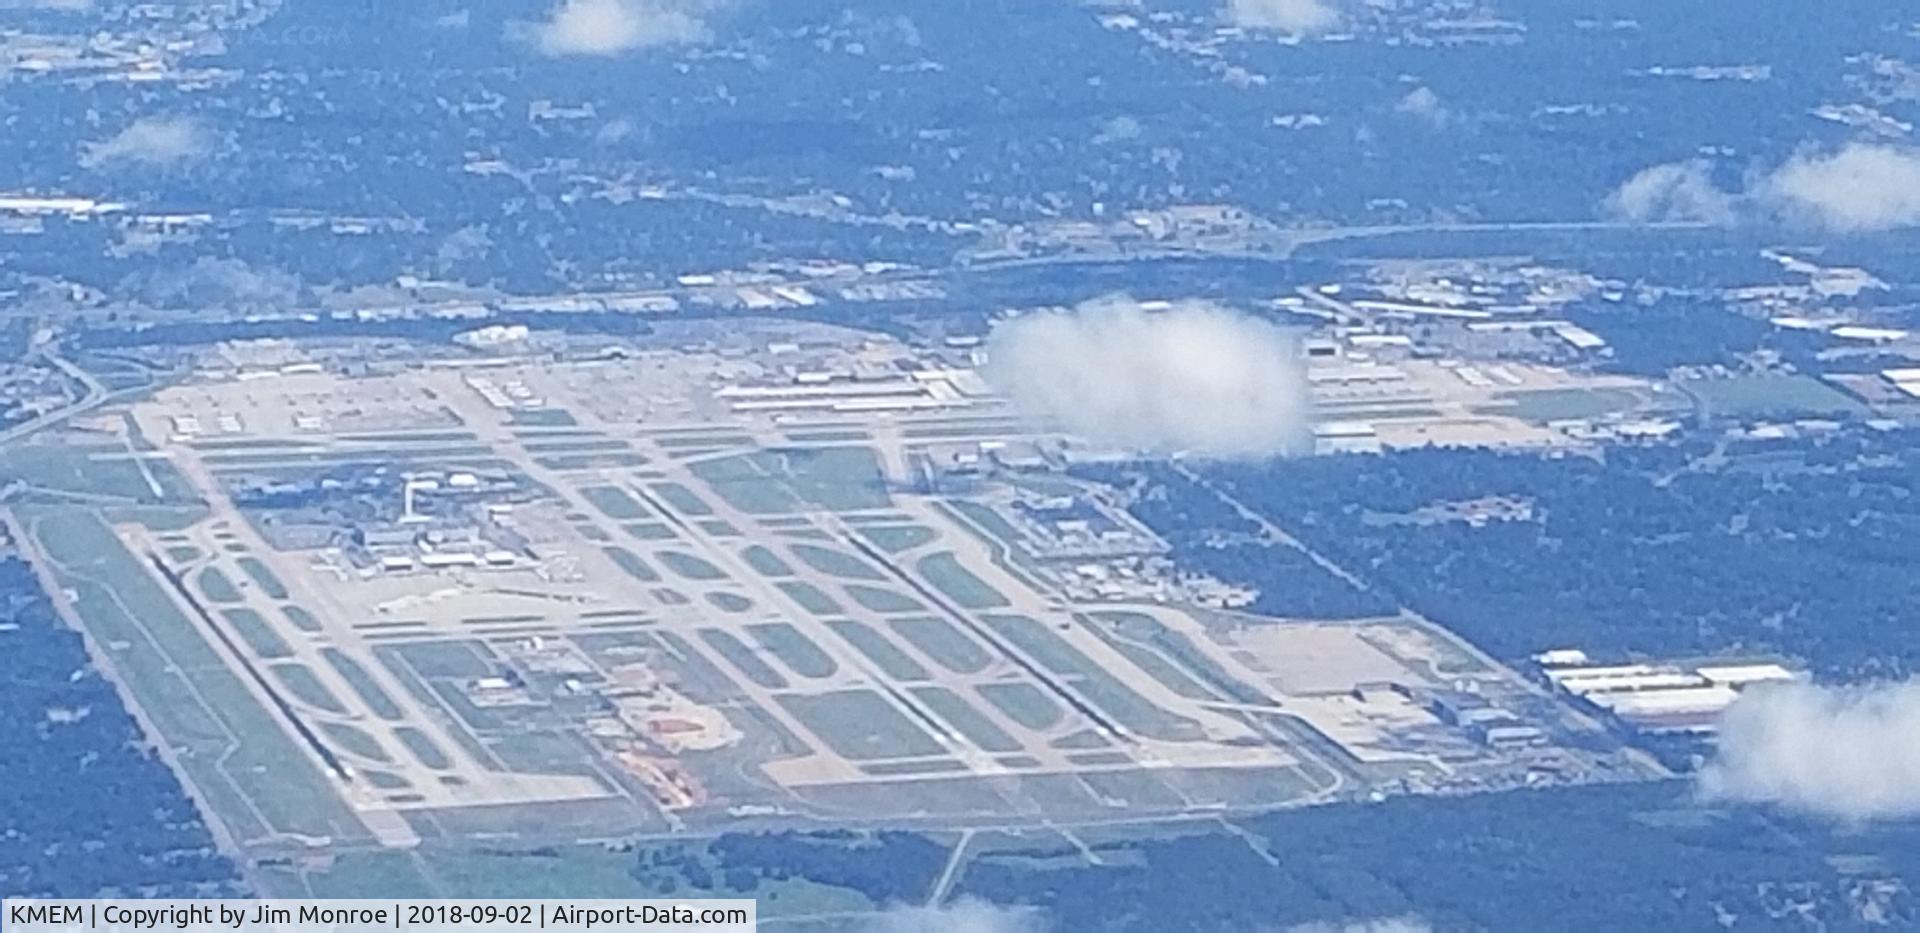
(1278, 245)
(92, 397)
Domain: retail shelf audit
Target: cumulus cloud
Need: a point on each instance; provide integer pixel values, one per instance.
(614, 131)
(1680, 192)
(1297, 16)
(1861, 187)
(964, 916)
(1424, 104)
(1848, 753)
(217, 283)
(466, 244)
(1194, 377)
(1118, 129)
(613, 27)
(152, 141)
(1405, 924)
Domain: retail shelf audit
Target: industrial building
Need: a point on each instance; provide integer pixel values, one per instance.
(1658, 698)
(1346, 437)
(1488, 724)
(859, 390)
(1906, 381)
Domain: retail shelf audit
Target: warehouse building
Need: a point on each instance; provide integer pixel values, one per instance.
(1655, 698)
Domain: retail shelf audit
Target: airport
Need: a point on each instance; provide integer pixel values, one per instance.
(807, 574)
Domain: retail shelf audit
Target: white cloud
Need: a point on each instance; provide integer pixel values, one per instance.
(229, 284)
(964, 916)
(1195, 377)
(465, 245)
(614, 131)
(1861, 187)
(1679, 192)
(1118, 129)
(152, 141)
(613, 27)
(1407, 924)
(1297, 16)
(1422, 103)
(1848, 753)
